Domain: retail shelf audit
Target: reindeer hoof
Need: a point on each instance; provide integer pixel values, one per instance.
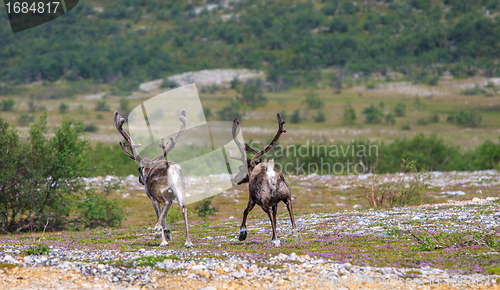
(168, 236)
(158, 231)
(243, 234)
(276, 243)
(188, 243)
(297, 237)
(163, 244)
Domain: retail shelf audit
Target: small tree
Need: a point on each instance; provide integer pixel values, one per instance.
(252, 94)
(204, 208)
(349, 115)
(468, 119)
(101, 106)
(320, 117)
(373, 115)
(390, 119)
(8, 105)
(41, 177)
(313, 101)
(124, 103)
(229, 112)
(63, 108)
(407, 190)
(400, 110)
(296, 117)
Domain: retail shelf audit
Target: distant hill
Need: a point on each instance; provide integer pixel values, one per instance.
(127, 42)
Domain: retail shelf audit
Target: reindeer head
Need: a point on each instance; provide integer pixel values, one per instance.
(244, 174)
(146, 164)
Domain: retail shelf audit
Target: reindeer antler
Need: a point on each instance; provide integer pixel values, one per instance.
(129, 143)
(281, 130)
(243, 157)
(173, 140)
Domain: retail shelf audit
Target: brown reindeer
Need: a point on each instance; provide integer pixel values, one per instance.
(163, 180)
(267, 186)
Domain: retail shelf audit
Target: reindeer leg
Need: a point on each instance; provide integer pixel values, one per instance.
(297, 237)
(158, 227)
(188, 243)
(274, 210)
(243, 227)
(164, 225)
(275, 241)
(157, 208)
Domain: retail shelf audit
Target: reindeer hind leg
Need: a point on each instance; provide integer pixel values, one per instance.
(275, 241)
(243, 228)
(297, 237)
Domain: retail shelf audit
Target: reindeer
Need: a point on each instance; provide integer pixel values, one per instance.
(267, 186)
(163, 180)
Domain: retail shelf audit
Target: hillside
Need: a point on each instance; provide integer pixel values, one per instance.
(126, 42)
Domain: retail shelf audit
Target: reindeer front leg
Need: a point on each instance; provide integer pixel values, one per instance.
(243, 227)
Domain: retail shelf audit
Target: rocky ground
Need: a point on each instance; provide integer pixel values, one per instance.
(454, 245)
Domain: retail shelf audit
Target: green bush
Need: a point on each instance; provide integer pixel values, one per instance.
(25, 120)
(91, 128)
(295, 119)
(434, 118)
(40, 177)
(168, 84)
(204, 208)
(235, 82)
(101, 106)
(487, 156)
(207, 112)
(401, 192)
(124, 103)
(371, 85)
(373, 115)
(95, 209)
(406, 127)
(38, 249)
(252, 94)
(400, 110)
(229, 112)
(313, 101)
(468, 119)
(63, 108)
(476, 90)
(349, 115)
(8, 105)
(320, 117)
(390, 119)
(110, 159)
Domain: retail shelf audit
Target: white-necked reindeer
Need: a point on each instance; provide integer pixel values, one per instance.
(267, 186)
(163, 180)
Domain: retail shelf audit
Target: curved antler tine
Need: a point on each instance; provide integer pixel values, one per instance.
(234, 132)
(281, 122)
(281, 130)
(129, 143)
(173, 140)
(250, 149)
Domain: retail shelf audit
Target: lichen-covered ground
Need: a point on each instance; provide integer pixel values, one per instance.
(443, 243)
